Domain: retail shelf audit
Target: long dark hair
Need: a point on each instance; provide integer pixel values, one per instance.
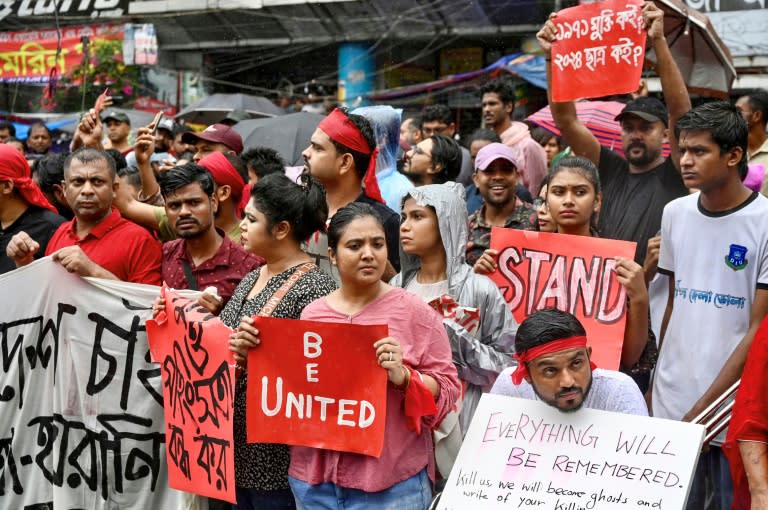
(302, 205)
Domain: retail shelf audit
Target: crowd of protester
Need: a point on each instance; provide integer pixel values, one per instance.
(391, 220)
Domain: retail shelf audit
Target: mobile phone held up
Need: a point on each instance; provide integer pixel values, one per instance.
(156, 122)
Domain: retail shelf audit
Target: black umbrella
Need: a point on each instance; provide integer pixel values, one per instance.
(215, 107)
(288, 134)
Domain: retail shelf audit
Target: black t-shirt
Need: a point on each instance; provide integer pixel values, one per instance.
(633, 203)
(391, 228)
(39, 223)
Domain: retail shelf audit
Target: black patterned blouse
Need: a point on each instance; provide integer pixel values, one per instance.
(265, 466)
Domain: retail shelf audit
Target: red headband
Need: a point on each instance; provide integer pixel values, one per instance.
(15, 168)
(224, 173)
(572, 342)
(341, 130)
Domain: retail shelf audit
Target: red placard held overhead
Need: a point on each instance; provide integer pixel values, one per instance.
(317, 384)
(599, 50)
(571, 273)
(198, 396)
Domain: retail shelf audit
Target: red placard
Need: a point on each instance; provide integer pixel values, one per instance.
(317, 384)
(30, 56)
(198, 396)
(572, 273)
(599, 50)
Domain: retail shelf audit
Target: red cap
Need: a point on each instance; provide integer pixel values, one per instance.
(216, 133)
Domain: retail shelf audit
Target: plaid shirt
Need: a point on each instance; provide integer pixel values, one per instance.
(524, 217)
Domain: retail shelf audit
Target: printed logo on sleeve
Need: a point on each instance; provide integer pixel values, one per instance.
(737, 257)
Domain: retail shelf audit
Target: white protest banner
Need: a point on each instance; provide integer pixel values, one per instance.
(526, 454)
(81, 414)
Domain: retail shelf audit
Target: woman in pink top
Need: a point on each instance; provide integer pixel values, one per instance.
(416, 356)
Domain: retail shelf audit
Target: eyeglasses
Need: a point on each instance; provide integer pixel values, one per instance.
(437, 130)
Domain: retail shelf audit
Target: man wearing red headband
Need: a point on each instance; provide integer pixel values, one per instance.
(554, 366)
(342, 156)
(23, 206)
(229, 174)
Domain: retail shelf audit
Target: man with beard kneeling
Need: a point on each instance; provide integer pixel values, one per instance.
(554, 366)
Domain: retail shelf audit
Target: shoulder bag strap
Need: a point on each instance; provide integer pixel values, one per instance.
(269, 307)
(191, 281)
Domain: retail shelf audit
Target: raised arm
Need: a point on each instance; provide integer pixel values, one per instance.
(579, 138)
(132, 209)
(88, 132)
(672, 83)
(143, 150)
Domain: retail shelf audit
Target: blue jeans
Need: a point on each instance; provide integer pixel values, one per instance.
(415, 493)
(711, 487)
(252, 499)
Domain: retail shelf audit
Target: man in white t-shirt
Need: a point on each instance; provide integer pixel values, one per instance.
(714, 248)
(554, 366)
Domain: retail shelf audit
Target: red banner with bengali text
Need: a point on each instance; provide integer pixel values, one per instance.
(29, 56)
(599, 50)
(191, 346)
(317, 384)
(571, 273)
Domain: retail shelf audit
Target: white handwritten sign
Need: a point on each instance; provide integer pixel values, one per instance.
(526, 454)
(81, 413)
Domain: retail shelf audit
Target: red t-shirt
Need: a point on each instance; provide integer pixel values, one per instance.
(224, 270)
(120, 246)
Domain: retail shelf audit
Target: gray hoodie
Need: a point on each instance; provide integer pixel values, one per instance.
(480, 356)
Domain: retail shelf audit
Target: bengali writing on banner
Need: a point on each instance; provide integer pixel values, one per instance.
(190, 344)
(81, 413)
(317, 384)
(526, 454)
(29, 56)
(572, 273)
(599, 50)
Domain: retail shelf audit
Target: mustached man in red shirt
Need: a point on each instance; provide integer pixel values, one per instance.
(98, 241)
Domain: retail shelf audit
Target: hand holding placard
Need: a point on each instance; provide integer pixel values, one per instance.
(198, 396)
(576, 274)
(525, 454)
(318, 384)
(596, 49)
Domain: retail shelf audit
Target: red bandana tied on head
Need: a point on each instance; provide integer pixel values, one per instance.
(341, 130)
(15, 168)
(224, 174)
(572, 342)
